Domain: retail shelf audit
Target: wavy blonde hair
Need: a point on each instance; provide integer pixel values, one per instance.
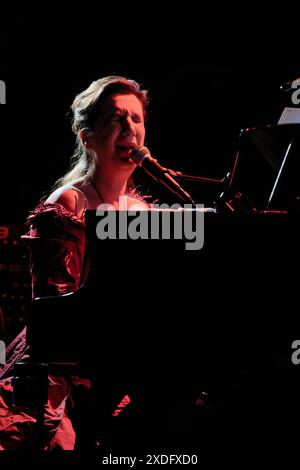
(86, 108)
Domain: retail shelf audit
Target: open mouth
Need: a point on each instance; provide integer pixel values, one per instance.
(125, 150)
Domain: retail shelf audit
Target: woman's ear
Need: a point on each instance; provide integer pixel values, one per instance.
(85, 138)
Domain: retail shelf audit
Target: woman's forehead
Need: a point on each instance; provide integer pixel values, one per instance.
(122, 102)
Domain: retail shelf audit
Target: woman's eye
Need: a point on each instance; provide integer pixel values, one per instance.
(117, 118)
(120, 118)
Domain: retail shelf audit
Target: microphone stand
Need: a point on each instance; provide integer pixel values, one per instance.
(178, 190)
(202, 179)
(224, 182)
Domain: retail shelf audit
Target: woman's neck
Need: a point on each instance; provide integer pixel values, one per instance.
(110, 189)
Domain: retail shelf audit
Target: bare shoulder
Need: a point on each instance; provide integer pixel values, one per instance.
(70, 197)
(137, 204)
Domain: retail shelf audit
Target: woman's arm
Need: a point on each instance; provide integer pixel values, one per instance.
(56, 241)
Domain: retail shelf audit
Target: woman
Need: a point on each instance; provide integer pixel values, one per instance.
(108, 120)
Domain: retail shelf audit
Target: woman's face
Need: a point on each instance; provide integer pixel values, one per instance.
(118, 129)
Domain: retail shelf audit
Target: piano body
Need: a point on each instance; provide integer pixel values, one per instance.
(172, 322)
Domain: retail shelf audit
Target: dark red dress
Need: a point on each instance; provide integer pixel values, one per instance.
(57, 243)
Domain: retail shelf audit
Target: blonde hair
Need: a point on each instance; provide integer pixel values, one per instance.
(86, 108)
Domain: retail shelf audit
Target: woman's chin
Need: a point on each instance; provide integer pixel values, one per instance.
(125, 160)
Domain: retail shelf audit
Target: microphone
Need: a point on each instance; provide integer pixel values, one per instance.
(287, 86)
(141, 156)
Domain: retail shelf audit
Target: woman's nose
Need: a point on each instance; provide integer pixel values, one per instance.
(128, 126)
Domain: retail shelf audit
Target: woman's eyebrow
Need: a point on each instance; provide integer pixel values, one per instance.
(116, 109)
(122, 111)
(110, 112)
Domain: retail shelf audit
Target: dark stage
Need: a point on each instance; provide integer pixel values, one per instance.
(211, 372)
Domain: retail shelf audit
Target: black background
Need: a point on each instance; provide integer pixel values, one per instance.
(209, 72)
